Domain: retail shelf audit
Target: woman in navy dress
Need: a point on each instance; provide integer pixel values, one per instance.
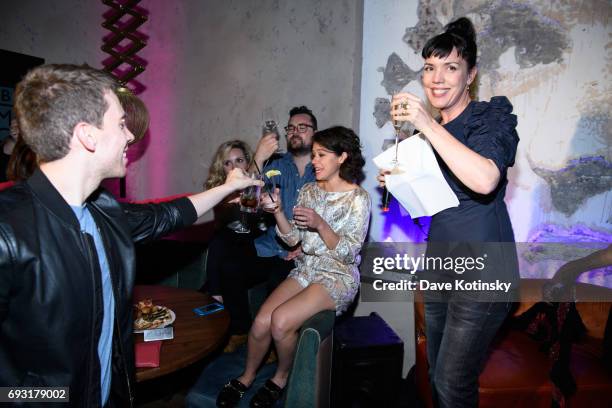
(475, 143)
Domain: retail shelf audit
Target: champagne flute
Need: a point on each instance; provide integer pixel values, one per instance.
(397, 125)
(270, 125)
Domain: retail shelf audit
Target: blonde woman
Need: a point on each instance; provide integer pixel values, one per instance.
(228, 278)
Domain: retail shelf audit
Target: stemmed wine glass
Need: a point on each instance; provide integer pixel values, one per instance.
(270, 125)
(397, 125)
(249, 202)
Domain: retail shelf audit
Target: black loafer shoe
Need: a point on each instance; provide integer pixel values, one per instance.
(267, 395)
(231, 394)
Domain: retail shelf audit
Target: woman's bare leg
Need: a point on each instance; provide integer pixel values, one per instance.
(259, 335)
(287, 320)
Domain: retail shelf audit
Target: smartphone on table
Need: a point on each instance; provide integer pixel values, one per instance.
(208, 309)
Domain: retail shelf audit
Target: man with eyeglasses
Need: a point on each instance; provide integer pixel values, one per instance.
(296, 171)
(270, 260)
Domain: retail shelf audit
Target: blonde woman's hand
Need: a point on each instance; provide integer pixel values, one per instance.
(406, 107)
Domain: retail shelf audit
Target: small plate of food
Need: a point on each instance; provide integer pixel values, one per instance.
(149, 316)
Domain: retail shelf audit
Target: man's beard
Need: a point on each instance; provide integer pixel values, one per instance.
(298, 149)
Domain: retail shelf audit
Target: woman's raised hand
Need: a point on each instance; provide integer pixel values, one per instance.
(406, 107)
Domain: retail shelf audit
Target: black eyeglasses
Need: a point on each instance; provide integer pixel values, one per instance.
(300, 128)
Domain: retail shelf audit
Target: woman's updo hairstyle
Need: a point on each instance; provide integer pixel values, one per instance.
(459, 34)
(136, 113)
(339, 139)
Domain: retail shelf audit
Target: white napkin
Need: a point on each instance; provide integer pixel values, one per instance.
(417, 181)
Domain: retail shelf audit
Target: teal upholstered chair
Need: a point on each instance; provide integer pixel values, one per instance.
(310, 379)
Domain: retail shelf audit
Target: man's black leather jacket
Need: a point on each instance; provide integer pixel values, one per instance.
(50, 287)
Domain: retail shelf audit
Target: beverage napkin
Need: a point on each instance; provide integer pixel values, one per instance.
(147, 354)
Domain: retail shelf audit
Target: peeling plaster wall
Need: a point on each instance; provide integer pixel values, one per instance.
(213, 67)
(553, 61)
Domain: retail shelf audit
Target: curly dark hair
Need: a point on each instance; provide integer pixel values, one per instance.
(339, 139)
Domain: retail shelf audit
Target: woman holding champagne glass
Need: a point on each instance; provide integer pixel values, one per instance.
(475, 143)
(330, 220)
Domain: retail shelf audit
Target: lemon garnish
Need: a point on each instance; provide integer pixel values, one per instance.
(272, 173)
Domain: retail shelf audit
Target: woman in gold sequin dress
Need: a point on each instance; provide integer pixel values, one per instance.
(330, 220)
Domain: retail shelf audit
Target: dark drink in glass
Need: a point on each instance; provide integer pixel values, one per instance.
(249, 198)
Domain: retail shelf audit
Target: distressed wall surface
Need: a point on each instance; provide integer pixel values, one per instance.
(553, 61)
(213, 67)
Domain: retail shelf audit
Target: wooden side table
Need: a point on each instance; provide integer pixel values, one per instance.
(194, 336)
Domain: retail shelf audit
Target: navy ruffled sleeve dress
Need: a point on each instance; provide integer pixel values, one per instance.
(489, 129)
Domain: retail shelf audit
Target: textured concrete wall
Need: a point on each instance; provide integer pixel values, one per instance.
(58, 31)
(223, 63)
(213, 67)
